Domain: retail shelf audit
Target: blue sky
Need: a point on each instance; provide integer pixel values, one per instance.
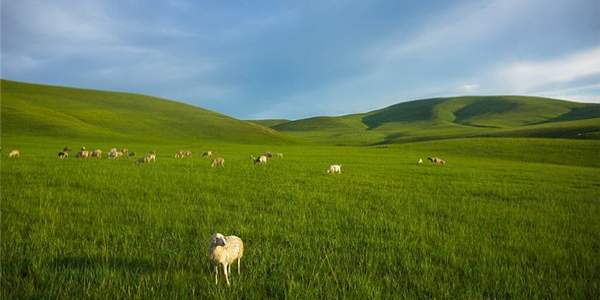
(299, 59)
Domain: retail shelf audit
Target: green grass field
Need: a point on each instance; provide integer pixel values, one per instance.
(503, 219)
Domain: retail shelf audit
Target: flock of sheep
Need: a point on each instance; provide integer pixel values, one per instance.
(222, 250)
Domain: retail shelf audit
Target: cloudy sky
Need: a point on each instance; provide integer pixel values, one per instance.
(296, 59)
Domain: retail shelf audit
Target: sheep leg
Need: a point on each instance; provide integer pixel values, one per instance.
(226, 270)
(239, 259)
(216, 274)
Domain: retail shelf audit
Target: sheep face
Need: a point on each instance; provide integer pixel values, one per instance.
(218, 239)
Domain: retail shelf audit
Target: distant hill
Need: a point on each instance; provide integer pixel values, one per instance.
(456, 117)
(51, 111)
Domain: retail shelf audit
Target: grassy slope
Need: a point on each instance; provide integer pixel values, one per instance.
(444, 118)
(68, 113)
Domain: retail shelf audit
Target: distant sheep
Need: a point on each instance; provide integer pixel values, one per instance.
(225, 251)
(114, 154)
(182, 153)
(146, 159)
(280, 155)
(218, 161)
(96, 153)
(83, 153)
(261, 159)
(334, 169)
(207, 154)
(67, 149)
(14, 153)
(441, 162)
(63, 154)
(268, 154)
(419, 162)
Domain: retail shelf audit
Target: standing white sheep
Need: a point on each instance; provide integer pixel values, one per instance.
(225, 250)
(335, 169)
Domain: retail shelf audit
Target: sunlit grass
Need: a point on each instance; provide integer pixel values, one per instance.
(483, 226)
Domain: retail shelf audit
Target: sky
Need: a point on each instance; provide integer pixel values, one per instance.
(283, 59)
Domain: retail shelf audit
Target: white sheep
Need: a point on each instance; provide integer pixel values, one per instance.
(207, 153)
(261, 159)
(335, 169)
(419, 162)
(218, 161)
(14, 153)
(225, 250)
(63, 154)
(83, 153)
(96, 153)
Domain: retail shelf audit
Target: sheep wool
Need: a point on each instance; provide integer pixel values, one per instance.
(225, 250)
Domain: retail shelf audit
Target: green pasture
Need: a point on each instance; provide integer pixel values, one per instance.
(505, 218)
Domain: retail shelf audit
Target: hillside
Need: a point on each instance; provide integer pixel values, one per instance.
(70, 113)
(457, 117)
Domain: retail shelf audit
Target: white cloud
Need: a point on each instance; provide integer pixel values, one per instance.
(469, 88)
(533, 76)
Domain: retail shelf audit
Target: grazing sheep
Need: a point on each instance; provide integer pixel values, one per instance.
(124, 150)
(268, 154)
(146, 159)
(143, 160)
(420, 162)
(441, 161)
(218, 161)
(280, 155)
(14, 153)
(67, 149)
(114, 154)
(261, 159)
(96, 153)
(83, 153)
(207, 153)
(335, 169)
(182, 153)
(225, 250)
(433, 159)
(63, 154)
(131, 154)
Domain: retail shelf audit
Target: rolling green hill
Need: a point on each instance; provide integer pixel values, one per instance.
(69, 113)
(458, 117)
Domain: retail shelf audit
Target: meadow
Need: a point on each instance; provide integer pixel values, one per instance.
(503, 219)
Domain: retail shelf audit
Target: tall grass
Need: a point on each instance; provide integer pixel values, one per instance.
(479, 227)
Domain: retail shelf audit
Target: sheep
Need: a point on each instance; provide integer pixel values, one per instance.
(67, 149)
(433, 159)
(114, 154)
(83, 153)
(131, 154)
(218, 161)
(96, 153)
(142, 160)
(268, 154)
(225, 250)
(420, 162)
(207, 154)
(146, 159)
(335, 169)
(182, 153)
(280, 155)
(261, 159)
(14, 153)
(441, 161)
(63, 154)
(124, 150)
